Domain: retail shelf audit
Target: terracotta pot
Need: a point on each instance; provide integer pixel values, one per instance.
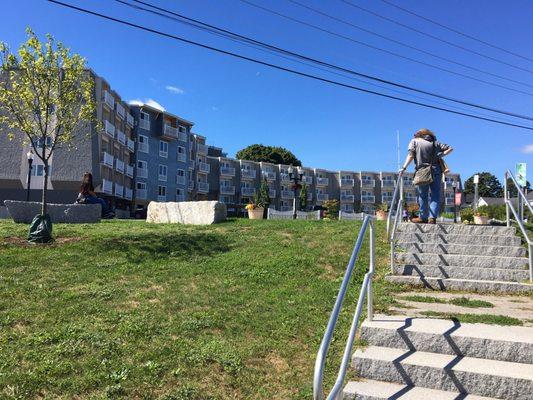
(381, 215)
(256, 213)
(481, 220)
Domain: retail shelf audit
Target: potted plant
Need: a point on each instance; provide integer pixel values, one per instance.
(382, 211)
(254, 212)
(481, 216)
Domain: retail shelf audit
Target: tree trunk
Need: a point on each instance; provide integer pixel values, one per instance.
(45, 188)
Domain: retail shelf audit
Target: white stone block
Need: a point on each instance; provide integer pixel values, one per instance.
(186, 212)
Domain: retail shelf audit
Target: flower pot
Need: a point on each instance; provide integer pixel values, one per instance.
(481, 220)
(256, 213)
(381, 215)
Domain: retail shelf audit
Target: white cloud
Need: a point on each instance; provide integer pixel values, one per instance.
(174, 89)
(214, 108)
(527, 149)
(149, 102)
(257, 73)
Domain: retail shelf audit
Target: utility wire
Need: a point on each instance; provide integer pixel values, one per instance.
(248, 40)
(281, 68)
(457, 31)
(269, 10)
(370, 32)
(434, 37)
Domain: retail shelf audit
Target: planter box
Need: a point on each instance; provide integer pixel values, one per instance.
(256, 213)
(481, 220)
(24, 211)
(381, 215)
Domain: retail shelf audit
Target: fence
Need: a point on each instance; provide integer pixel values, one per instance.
(347, 216)
(307, 215)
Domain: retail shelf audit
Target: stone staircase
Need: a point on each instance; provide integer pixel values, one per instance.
(411, 358)
(461, 257)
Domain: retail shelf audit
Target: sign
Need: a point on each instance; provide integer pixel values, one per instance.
(476, 179)
(458, 198)
(520, 174)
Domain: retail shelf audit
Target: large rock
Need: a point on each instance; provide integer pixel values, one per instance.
(187, 212)
(24, 212)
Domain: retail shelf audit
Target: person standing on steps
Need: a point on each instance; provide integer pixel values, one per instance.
(427, 153)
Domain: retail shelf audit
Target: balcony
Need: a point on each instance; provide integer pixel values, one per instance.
(204, 167)
(368, 199)
(180, 197)
(119, 166)
(144, 124)
(108, 160)
(410, 199)
(182, 137)
(201, 148)
(287, 194)
(121, 137)
(191, 185)
(322, 181)
(162, 177)
(129, 120)
(131, 145)
(449, 201)
(310, 196)
(284, 177)
(322, 197)
(128, 194)
(191, 164)
(307, 179)
(129, 170)
(162, 198)
(386, 198)
(347, 182)
(182, 157)
(121, 111)
(203, 187)
(347, 198)
(170, 132)
(408, 181)
(142, 172)
(181, 180)
(119, 190)
(143, 147)
(109, 129)
(109, 101)
(247, 191)
(227, 190)
(248, 173)
(270, 175)
(272, 193)
(107, 187)
(368, 183)
(388, 183)
(227, 171)
(140, 194)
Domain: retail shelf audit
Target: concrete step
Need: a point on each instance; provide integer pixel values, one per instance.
(499, 379)
(455, 248)
(457, 229)
(503, 343)
(468, 285)
(445, 271)
(492, 240)
(368, 389)
(462, 260)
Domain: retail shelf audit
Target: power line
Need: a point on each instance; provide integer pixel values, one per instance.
(457, 31)
(281, 68)
(370, 32)
(232, 35)
(269, 10)
(434, 37)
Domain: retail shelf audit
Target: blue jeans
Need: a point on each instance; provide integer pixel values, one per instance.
(98, 200)
(429, 196)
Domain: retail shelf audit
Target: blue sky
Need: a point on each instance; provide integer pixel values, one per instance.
(235, 103)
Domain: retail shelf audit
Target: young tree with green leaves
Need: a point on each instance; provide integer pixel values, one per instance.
(45, 94)
(303, 196)
(262, 198)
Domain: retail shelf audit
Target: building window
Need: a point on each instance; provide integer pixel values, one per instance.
(161, 193)
(38, 170)
(163, 149)
(162, 172)
(144, 122)
(182, 154)
(142, 164)
(48, 142)
(182, 128)
(141, 186)
(143, 144)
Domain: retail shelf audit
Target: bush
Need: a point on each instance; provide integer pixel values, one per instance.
(332, 209)
(448, 215)
(496, 212)
(467, 214)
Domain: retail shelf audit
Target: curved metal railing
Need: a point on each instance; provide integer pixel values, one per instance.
(366, 291)
(518, 215)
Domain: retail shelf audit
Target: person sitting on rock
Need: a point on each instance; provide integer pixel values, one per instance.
(88, 196)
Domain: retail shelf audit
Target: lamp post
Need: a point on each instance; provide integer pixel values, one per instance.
(454, 186)
(295, 178)
(29, 155)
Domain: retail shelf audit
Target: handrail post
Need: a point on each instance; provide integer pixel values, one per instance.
(530, 250)
(370, 293)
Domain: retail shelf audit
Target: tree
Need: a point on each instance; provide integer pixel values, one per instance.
(489, 185)
(303, 197)
(262, 198)
(45, 94)
(512, 188)
(270, 154)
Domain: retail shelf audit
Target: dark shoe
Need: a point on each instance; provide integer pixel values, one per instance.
(432, 221)
(419, 220)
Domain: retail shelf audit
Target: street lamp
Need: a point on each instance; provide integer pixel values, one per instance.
(295, 178)
(454, 186)
(29, 155)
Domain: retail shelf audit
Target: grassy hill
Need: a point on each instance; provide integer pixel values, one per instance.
(124, 309)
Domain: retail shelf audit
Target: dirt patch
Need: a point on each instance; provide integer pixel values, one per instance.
(277, 362)
(23, 242)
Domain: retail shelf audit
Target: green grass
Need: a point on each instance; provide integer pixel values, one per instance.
(125, 309)
(458, 301)
(476, 318)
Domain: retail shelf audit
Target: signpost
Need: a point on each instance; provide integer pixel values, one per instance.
(476, 183)
(520, 175)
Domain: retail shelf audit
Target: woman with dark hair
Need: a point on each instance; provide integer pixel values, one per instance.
(427, 153)
(88, 196)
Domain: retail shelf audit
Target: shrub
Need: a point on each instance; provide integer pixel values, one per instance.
(467, 214)
(332, 209)
(413, 209)
(448, 215)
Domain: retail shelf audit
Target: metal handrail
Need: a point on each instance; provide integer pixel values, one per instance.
(366, 290)
(509, 207)
(391, 230)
